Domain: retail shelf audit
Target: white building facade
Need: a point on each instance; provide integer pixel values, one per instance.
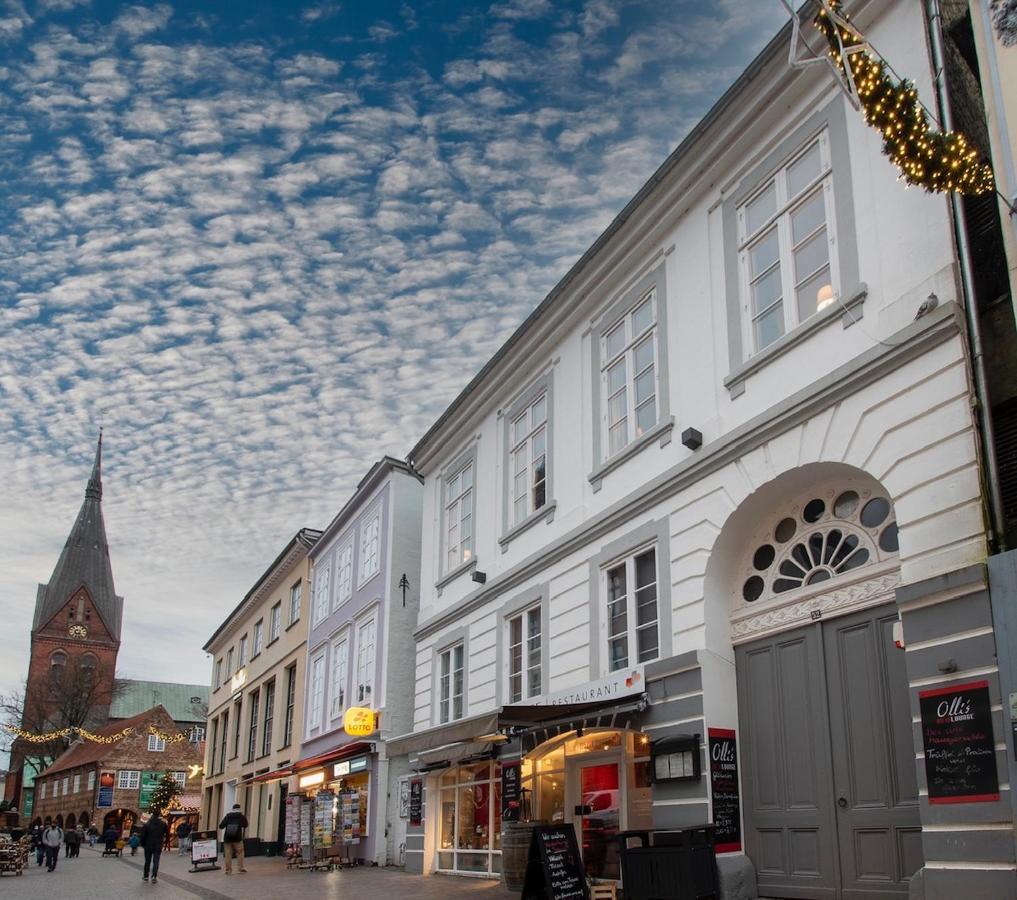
(690, 499)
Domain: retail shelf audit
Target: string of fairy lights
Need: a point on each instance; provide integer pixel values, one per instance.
(86, 735)
(938, 161)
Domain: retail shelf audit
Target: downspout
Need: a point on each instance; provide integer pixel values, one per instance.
(997, 532)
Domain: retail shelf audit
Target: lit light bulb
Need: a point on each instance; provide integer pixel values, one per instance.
(824, 297)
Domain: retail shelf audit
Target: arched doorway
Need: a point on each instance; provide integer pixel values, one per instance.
(71, 821)
(120, 819)
(59, 820)
(830, 795)
(84, 819)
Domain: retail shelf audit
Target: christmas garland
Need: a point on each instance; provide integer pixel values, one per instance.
(935, 160)
(87, 735)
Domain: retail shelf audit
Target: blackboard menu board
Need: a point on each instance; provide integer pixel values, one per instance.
(960, 756)
(554, 867)
(416, 801)
(510, 794)
(727, 818)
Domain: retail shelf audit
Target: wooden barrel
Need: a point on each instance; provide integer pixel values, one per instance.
(515, 847)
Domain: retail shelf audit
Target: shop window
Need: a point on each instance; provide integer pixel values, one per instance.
(632, 632)
(450, 684)
(469, 837)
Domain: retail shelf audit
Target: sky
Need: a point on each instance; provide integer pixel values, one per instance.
(262, 244)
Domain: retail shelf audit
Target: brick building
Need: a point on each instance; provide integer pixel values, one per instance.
(74, 790)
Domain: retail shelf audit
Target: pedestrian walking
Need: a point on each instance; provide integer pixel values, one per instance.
(93, 835)
(37, 844)
(183, 838)
(233, 825)
(134, 841)
(110, 837)
(153, 836)
(52, 838)
(71, 843)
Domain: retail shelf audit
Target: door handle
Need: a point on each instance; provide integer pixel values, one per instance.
(842, 802)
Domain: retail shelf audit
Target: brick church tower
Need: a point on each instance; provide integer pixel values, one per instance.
(75, 638)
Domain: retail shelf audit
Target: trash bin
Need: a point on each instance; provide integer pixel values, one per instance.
(669, 864)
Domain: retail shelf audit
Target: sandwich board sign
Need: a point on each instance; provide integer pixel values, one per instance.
(554, 868)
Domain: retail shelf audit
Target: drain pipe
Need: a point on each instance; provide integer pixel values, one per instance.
(997, 519)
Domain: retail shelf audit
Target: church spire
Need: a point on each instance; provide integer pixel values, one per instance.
(93, 490)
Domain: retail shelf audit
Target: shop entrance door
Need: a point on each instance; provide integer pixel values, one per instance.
(598, 816)
(830, 792)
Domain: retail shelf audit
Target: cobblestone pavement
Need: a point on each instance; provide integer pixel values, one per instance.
(267, 878)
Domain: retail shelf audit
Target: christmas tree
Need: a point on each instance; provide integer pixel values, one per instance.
(164, 792)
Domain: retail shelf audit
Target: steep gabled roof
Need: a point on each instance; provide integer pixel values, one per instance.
(84, 561)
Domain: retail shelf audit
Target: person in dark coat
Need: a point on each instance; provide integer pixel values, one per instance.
(110, 837)
(153, 836)
(233, 825)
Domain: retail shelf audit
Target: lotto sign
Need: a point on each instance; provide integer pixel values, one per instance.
(360, 721)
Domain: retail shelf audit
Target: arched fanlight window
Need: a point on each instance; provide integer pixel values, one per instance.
(88, 664)
(58, 659)
(822, 540)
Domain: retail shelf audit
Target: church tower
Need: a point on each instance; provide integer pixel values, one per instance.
(75, 636)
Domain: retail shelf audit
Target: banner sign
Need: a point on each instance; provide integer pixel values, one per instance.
(727, 818)
(149, 782)
(960, 752)
(511, 797)
(416, 801)
(107, 781)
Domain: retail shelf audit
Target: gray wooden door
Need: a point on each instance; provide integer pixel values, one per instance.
(828, 772)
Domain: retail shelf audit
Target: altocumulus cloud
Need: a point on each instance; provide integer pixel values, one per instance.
(263, 246)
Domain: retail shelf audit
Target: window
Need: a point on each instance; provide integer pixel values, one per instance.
(369, 555)
(459, 517)
(222, 746)
(344, 575)
(275, 622)
(469, 819)
(259, 635)
(42, 791)
(196, 735)
(91, 781)
(57, 662)
(317, 692)
(128, 780)
(295, 603)
(629, 374)
(266, 725)
(238, 709)
(785, 235)
(524, 655)
(340, 660)
(242, 653)
(67, 785)
(156, 744)
(450, 684)
(229, 662)
(218, 674)
(252, 731)
(365, 662)
(76, 785)
(321, 580)
(181, 779)
(632, 633)
(528, 460)
(291, 696)
(212, 745)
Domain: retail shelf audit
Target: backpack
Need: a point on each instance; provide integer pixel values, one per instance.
(232, 833)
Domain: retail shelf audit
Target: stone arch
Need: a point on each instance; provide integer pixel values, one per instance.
(59, 819)
(71, 821)
(84, 819)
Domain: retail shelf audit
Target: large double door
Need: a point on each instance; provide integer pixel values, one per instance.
(828, 767)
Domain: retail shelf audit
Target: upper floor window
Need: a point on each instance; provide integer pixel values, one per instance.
(291, 699)
(629, 374)
(321, 583)
(181, 779)
(524, 652)
(340, 662)
(58, 661)
(266, 725)
(196, 735)
(294, 603)
(223, 738)
(528, 459)
(128, 779)
(242, 653)
(459, 516)
(275, 622)
(156, 744)
(451, 683)
(366, 636)
(90, 784)
(344, 575)
(238, 712)
(229, 662)
(218, 674)
(76, 784)
(632, 633)
(259, 636)
(252, 725)
(370, 534)
(786, 234)
(317, 704)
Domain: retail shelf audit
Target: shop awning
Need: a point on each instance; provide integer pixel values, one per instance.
(463, 730)
(334, 755)
(274, 775)
(453, 754)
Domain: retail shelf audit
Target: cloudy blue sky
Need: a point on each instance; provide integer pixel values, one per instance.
(263, 243)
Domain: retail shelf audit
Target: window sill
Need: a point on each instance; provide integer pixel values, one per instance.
(848, 311)
(661, 431)
(271, 642)
(254, 656)
(545, 513)
(367, 580)
(294, 622)
(461, 569)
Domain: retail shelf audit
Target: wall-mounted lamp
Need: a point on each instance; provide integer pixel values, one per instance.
(692, 438)
(479, 577)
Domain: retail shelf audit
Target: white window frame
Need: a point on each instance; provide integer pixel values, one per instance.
(344, 573)
(181, 779)
(156, 744)
(67, 785)
(275, 622)
(339, 683)
(460, 506)
(91, 781)
(42, 791)
(530, 676)
(370, 548)
(367, 657)
(196, 735)
(242, 652)
(229, 662)
(632, 340)
(76, 783)
(259, 638)
(128, 779)
(447, 696)
(631, 610)
(322, 579)
(780, 220)
(295, 602)
(523, 448)
(218, 673)
(316, 692)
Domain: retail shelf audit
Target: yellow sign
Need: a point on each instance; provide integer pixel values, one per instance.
(360, 721)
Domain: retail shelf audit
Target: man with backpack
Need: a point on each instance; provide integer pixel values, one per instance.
(233, 825)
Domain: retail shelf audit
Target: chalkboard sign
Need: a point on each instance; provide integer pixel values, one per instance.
(554, 868)
(416, 801)
(511, 798)
(727, 818)
(960, 753)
